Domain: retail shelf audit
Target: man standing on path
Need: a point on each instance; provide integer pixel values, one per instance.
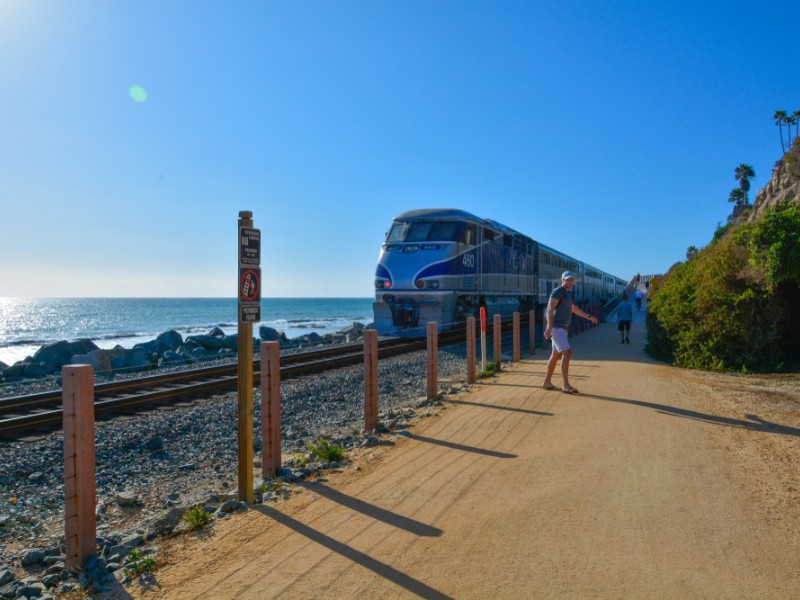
(624, 318)
(559, 314)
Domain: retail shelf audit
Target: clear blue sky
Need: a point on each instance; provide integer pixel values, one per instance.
(609, 130)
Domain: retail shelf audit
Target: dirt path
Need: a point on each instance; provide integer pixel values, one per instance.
(653, 483)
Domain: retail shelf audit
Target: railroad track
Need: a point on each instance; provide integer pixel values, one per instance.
(43, 410)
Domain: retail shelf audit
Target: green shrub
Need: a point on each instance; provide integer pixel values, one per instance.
(197, 517)
(136, 564)
(730, 307)
(491, 369)
(327, 452)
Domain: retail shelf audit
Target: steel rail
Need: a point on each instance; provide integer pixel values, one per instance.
(195, 382)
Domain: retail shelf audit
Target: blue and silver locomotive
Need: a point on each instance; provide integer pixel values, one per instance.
(442, 265)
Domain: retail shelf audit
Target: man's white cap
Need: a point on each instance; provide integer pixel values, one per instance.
(567, 274)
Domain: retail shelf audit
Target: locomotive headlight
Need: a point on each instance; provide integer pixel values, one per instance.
(420, 284)
(430, 246)
(382, 283)
(410, 248)
(433, 284)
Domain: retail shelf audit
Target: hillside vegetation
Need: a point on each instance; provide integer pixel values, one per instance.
(735, 305)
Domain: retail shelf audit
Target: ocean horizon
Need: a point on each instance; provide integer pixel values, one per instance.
(27, 324)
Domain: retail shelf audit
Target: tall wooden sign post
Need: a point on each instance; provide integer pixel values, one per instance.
(249, 313)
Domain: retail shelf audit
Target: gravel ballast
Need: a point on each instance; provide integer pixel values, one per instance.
(153, 466)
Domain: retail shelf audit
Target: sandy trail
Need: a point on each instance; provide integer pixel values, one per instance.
(652, 483)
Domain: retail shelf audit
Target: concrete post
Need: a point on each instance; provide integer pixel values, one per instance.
(515, 355)
(79, 483)
(433, 361)
(370, 380)
(471, 365)
(270, 409)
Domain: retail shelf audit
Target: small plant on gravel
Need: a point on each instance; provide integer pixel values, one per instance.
(272, 484)
(491, 369)
(136, 563)
(299, 459)
(197, 517)
(327, 452)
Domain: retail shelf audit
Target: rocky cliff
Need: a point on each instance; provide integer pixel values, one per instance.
(784, 185)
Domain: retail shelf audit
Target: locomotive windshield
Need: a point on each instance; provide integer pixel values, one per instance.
(429, 231)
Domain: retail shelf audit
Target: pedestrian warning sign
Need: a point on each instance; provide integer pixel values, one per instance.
(249, 294)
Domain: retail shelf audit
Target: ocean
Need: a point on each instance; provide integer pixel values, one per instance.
(26, 324)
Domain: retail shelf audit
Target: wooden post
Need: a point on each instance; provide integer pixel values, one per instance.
(471, 366)
(79, 485)
(497, 325)
(532, 330)
(370, 380)
(245, 393)
(433, 361)
(483, 338)
(270, 409)
(515, 356)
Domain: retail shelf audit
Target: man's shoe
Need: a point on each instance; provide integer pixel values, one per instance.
(627, 341)
(622, 341)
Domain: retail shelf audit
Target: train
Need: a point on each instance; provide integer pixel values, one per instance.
(443, 265)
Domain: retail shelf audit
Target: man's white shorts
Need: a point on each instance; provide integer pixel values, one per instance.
(560, 339)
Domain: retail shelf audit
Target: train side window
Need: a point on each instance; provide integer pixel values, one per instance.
(468, 235)
(488, 234)
(507, 241)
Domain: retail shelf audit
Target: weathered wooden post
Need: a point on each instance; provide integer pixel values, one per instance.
(249, 312)
(471, 367)
(433, 361)
(370, 380)
(483, 338)
(515, 354)
(80, 533)
(270, 409)
(497, 325)
(532, 330)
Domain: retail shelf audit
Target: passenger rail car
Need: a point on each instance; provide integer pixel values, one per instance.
(442, 265)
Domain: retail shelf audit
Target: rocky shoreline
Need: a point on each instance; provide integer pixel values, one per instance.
(168, 350)
(152, 467)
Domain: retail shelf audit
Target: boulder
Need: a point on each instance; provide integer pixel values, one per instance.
(169, 340)
(56, 355)
(38, 369)
(15, 370)
(217, 332)
(171, 359)
(118, 356)
(209, 342)
(98, 359)
(268, 334)
(356, 329)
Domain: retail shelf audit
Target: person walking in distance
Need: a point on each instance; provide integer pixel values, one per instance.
(560, 309)
(638, 297)
(624, 319)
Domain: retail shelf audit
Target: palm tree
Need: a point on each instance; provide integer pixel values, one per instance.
(789, 120)
(779, 117)
(796, 117)
(737, 195)
(743, 173)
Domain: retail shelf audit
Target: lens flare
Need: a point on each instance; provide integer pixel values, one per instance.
(138, 93)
